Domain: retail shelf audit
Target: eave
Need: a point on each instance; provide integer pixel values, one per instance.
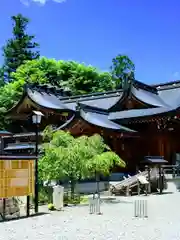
(141, 115)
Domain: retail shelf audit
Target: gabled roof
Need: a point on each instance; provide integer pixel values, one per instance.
(162, 99)
(101, 120)
(19, 146)
(56, 101)
(148, 97)
(154, 160)
(98, 108)
(138, 113)
(46, 100)
(5, 133)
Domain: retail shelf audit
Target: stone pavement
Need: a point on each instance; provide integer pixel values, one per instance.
(117, 222)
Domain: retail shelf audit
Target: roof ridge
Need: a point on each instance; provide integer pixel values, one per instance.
(90, 97)
(166, 83)
(93, 94)
(66, 96)
(145, 86)
(48, 88)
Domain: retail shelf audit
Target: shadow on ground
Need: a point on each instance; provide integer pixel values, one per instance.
(117, 201)
(163, 193)
(7, 219)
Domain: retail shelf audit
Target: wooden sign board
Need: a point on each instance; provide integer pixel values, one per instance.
(16, 178)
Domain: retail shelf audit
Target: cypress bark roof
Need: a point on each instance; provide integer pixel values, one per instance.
(104, 109)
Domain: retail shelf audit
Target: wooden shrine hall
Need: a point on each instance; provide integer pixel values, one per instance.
(136, 120)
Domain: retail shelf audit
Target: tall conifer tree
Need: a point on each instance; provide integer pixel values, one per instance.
(18, 49)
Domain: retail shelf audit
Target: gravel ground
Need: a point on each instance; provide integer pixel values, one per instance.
(116, 222)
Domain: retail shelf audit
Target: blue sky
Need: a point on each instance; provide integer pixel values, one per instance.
(94, 31)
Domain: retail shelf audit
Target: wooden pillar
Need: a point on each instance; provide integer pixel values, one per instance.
(161, 145)
(138, 187)
(160, 180)
(116, 144)
(149, 178)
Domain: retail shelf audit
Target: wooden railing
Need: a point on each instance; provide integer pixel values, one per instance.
(173, 170)
(130, 181)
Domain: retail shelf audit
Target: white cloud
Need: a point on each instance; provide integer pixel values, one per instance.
(41, 2)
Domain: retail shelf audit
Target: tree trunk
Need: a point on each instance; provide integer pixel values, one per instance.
(73, 184)
(97, 183)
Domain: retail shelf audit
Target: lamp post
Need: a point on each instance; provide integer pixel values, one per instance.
(36, 119)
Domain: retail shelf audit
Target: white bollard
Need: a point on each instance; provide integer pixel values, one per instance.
(140, 208)
(94, 205)
(58, 197)
(98, 203)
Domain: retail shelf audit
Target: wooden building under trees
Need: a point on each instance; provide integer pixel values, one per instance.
(135, 121)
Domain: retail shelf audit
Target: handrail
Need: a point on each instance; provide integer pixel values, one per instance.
(169, 166)
(174, 168)
(130, 180)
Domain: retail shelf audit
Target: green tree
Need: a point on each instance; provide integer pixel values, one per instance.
(73, 76)
(81, 79)
(75, 158)
(20, 48)
(122, 66)
(78, 78)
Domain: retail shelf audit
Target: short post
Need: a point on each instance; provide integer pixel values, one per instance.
(138, 187)
(98, 194)
(146, 188)
(28, 206)
(174, 172)
(127, 191)
(149, 179)
(140, 208)
(177, 170)
(58, 197)
(160, 180)
(92, 204)
(4, 208)
(98, 211)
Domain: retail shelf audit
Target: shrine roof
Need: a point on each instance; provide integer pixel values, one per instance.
(17, 157)
(165, 95)
(101, 120)
(5, 133)
(154, 160)
(46, 99)
(15, 146)
(98, 108)
(134, 113)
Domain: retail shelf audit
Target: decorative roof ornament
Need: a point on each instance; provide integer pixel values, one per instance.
(128, 80)
(48, 88)
(78, 106)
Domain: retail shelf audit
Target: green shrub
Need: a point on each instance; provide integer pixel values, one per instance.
(84, 200)
(51, 207)
(45, 195)
(69, 200)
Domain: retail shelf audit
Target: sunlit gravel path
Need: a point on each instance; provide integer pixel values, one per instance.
(117, 222)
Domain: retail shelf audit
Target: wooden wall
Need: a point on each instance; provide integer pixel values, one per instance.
(149, 143)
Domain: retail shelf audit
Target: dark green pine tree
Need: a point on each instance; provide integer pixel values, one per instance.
(20, 48)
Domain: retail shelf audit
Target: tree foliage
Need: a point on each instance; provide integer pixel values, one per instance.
(76, 77)
(75, 158)
(23, 65)
(121, 67)
(19, 48)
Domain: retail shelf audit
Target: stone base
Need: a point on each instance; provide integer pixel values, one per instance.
(12, 208)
